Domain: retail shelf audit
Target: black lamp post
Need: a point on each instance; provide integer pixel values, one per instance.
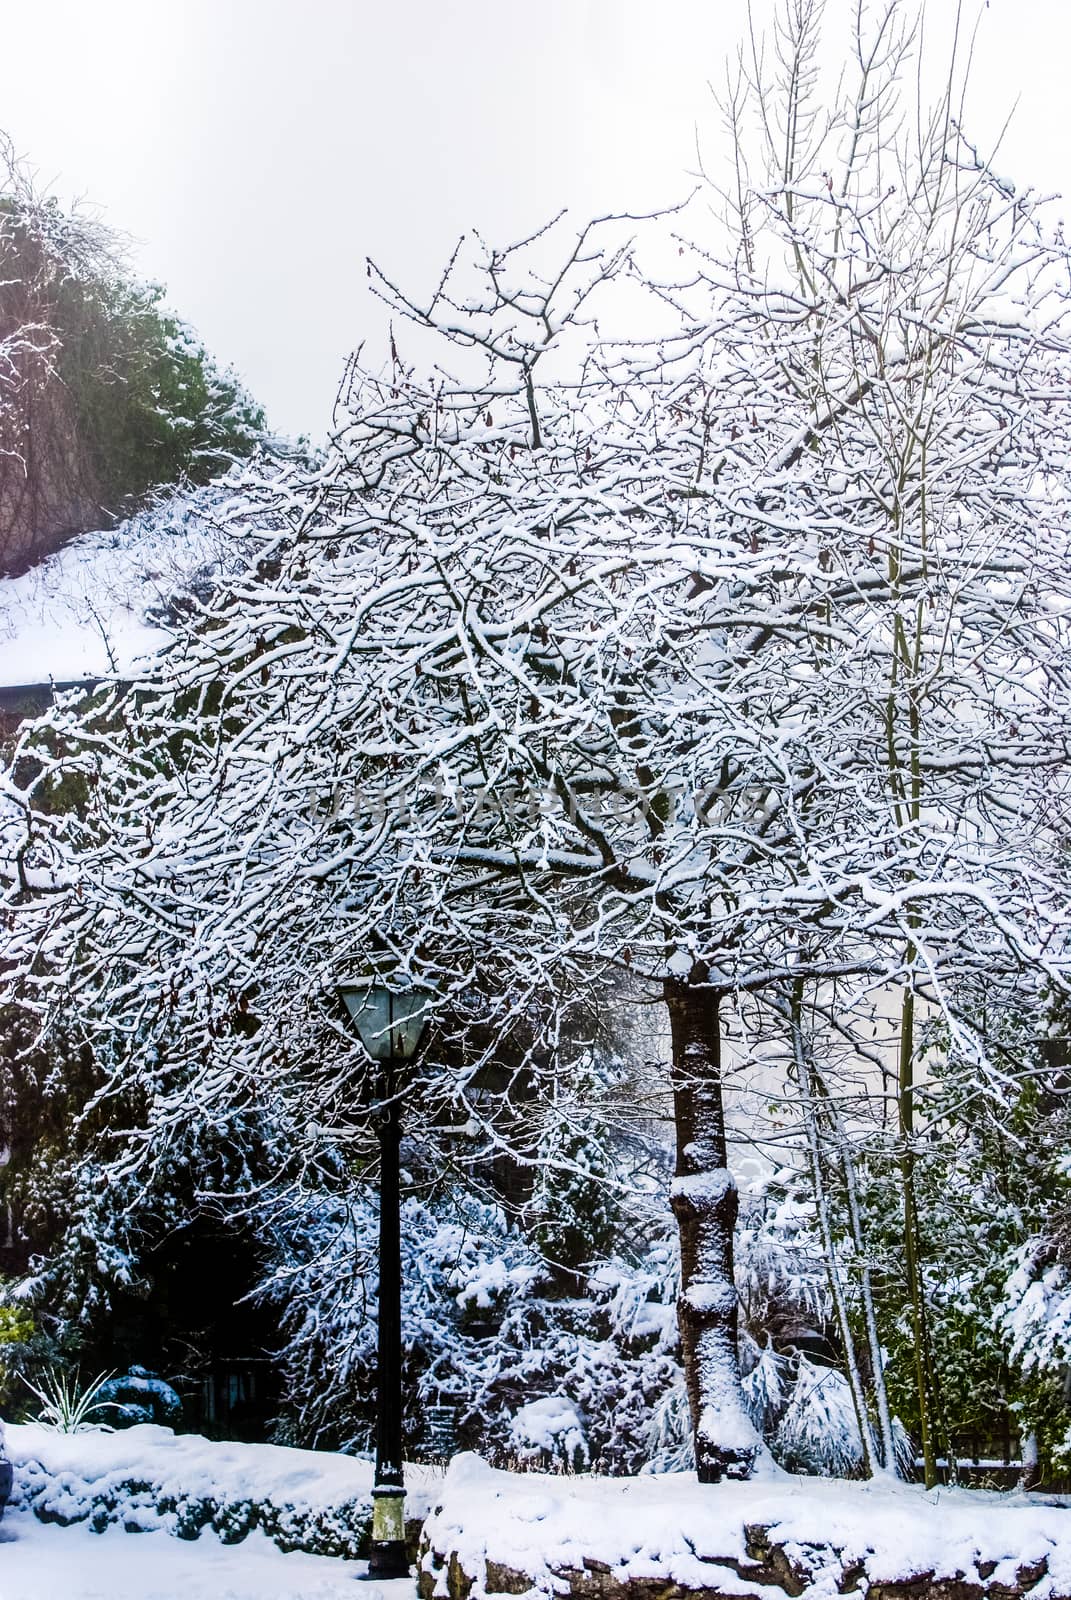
(390, 1023)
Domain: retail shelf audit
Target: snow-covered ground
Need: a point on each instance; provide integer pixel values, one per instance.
(40, 1562)
(100, 604)
(668, 1528)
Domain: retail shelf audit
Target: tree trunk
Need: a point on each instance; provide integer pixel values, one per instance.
(807, 1078)
(705, 1204)
(924, 1375)
(1030, 1473)
(877, 1358)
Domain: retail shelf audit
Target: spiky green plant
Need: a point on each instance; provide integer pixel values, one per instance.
(65, 1405)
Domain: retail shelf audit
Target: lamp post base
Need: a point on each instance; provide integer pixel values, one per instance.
(387, 1558)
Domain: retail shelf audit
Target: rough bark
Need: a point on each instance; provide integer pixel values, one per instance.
(705, 1204)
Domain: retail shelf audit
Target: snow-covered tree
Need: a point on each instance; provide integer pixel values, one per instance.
(1031, 1310)
(732, 660)
(897, 396)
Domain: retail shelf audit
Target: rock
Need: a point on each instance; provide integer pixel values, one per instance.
(458, 1582)
(770, 1566)
(507, 1580)
(924, 1586)
(773, 1566)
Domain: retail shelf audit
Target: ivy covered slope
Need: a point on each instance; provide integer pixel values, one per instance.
(104, 393)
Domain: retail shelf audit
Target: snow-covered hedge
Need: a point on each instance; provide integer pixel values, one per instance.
(147, 1477)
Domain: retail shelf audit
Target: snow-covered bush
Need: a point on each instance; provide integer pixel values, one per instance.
(802, 1407)
(1034, 1317)
(146, 1478)
(487, 1332)
(989, 1195)
(140, 1396)
(804, 1411)
(669, 1434)
(576, 1210)
(1037, 1311)
(781, 1273)
(1034, 1313)
(549, 1432)
(818, 1431)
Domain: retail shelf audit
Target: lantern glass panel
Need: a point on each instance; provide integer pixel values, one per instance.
(390, 1022)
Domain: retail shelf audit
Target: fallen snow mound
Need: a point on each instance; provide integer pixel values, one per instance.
(635, 1538)
(107, 600)
(147, 1478)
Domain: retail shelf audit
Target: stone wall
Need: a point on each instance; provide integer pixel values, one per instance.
(494, 1533)
(769, 1566)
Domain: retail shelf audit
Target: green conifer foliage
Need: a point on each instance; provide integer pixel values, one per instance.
(104, 393)
(152, 406)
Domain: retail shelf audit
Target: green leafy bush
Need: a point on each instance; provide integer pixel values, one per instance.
(17, 1329)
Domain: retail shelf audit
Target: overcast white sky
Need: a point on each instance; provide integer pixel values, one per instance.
(259, 150)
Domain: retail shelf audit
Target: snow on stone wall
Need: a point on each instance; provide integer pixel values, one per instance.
(668, 1536)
